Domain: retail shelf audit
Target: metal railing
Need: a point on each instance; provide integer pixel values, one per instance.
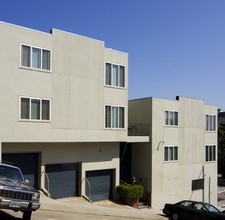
(136, 129)
(89, 189)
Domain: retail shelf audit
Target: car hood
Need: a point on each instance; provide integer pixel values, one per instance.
(14, 184)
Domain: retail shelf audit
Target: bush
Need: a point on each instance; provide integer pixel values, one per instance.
(129, 191)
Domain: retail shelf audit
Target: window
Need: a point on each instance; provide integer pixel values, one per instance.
(171, 153)
(210, 153)
(114, 75)
(36, 58)
(114, 117)
(34, 109)
(210, 123)
(171, 118)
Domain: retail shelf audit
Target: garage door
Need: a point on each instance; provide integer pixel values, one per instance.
(63, 180)
(101, 183)
(28, 163)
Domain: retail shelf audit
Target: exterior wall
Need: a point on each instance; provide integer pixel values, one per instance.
(172, 181)
(140, 113)
(75, 85)
(92, 156)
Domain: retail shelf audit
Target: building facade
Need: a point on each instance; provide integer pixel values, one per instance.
(180, 160)
(64, 110)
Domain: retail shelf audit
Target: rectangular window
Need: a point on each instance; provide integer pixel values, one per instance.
(114, 75)
(171, 153)
(45, 59)
(24, 108)
(210, 123)
(34, 109)
(171, 118)
(25, 56)
(122, 77)
(210, 153)
(35, 58)
(114, 117)
(45, 109)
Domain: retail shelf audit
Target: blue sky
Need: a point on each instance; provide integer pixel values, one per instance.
(175, 47)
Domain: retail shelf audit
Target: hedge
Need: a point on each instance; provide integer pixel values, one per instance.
(129, 191)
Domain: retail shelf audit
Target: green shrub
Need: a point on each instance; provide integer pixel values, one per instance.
(128, 191)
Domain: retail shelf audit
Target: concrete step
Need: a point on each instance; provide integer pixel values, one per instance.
(143, 205)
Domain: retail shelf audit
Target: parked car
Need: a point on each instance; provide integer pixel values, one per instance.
(15, 194)
(192, 210)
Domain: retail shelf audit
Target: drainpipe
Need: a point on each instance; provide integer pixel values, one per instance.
(209, 189)
(203, 190)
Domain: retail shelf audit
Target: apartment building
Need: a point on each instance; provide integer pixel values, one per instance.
(180, 160)
(64, 110)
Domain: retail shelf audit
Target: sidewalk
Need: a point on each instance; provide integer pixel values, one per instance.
(104, 208)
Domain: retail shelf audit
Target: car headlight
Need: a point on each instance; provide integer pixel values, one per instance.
(35, 196)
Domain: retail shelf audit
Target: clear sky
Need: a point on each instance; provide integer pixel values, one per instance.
(175, 47)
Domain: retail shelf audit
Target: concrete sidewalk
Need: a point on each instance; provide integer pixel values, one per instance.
(103, 208)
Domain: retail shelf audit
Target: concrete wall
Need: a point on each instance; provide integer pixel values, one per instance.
(172, 181)
(75, 86)
(92, 156)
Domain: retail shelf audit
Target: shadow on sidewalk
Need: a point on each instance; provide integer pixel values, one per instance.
(6, 216)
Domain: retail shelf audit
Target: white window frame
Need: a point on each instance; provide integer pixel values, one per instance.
(210, 122)
(112, 76)
(173, 124)
(30, 119)
(118, 122)
(175, 157)
(210, 153)
(33, 68)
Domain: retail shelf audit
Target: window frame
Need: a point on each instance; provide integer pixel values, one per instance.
(119, 124)
(210, 153)
(167, 157)
(210, 123)
(30, 109)
(120, 80)
(175, 118)
(30, 67)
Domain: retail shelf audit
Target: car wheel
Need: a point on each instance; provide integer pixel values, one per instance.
(174, 216)
(27, 215)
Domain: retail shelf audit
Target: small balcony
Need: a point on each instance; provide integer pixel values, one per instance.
(136, 129)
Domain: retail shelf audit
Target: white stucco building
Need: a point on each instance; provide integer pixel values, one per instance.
(64, 110)
(64, 122)
(180, 160)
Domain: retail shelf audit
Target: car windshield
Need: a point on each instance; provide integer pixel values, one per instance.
(211, 208)
(11, 173)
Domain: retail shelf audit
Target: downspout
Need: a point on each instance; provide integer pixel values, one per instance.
(203, 190)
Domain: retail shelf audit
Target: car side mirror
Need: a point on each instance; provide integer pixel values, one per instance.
(27, 182)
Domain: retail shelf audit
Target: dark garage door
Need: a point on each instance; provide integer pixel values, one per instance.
(101, 182)
(28, 163)
(63, 180)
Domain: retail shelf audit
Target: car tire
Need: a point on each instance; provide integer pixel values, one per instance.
(27, 215)
(174, 216)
